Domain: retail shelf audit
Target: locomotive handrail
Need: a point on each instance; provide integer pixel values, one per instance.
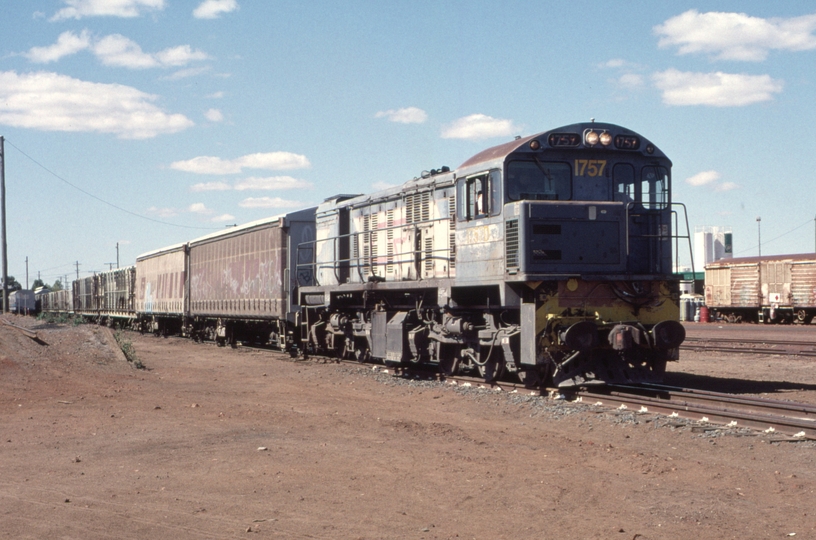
(677, 237)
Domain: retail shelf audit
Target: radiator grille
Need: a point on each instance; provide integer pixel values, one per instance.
(511, 238)
(452, 233)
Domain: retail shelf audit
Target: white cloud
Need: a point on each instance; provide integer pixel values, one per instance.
(117, 50)
(712, 179)
(630, 81)
(54, 102)
(379, 186)
(479, 126)
(726, 186)
(186, 73)
(212, 9)
(210, 186)
(216, 95)
(271, 183)
(162, 212)
(67, 44)
(199, 208)
(214, 115)
(736, 36)
(215, 165)
(614, 63)
(715, 89)
(114, 50)
(110, 8)
(222, 218)
(179, 56)
(408, 115)
(275, 161)
(269, 202)
(703, 178)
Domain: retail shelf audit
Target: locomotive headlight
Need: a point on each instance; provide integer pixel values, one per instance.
(668, 334)
(591, 138)
(581, 336)
(606, 138)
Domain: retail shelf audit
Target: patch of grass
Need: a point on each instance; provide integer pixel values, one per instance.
(58, 318)
(127, 349)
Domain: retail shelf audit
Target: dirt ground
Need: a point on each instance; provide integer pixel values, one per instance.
(209, 442)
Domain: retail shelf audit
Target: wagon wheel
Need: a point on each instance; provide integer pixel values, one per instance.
(803, 317)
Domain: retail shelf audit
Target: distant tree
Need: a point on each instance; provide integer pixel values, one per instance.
(12, 284)
(37, 283)
(57, 286)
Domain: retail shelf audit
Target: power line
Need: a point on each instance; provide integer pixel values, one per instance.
(778, 237)
(55, 175)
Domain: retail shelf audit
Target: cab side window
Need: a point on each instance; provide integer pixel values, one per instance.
(480, 196)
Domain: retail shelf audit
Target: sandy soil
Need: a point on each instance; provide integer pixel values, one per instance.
(218, 443)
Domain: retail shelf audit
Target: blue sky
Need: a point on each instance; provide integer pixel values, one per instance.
(150, 122)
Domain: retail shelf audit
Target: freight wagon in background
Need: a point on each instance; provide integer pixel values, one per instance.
(57, 301)
(106, 297)
(770, 289)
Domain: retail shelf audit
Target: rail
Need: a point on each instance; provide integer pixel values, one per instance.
(797, 420)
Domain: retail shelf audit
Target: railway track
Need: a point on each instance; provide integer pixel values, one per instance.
(750, 346)
(796, 420)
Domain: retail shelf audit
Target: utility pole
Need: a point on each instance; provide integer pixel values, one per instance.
(77, 267)
(117, 254)
(26, 272)
(759, 234)
(3, 222)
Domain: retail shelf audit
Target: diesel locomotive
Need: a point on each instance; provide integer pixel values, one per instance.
(547, 258)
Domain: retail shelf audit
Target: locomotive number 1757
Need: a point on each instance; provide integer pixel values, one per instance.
(589, 167)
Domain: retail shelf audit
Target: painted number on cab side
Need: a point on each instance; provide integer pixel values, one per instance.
(589, 167)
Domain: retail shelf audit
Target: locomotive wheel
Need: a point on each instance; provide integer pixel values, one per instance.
(362, 354)
(492, 370)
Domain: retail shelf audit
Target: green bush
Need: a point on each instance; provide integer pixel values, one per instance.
(127, 349)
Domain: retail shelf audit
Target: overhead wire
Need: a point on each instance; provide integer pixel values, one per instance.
(778, 237)
(55, 175)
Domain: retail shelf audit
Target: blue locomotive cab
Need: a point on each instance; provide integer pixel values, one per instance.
(580, 209)
(587, 237)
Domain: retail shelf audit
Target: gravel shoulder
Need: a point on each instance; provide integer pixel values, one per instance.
(208, 442)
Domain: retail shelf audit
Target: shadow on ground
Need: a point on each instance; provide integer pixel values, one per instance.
(732, 385)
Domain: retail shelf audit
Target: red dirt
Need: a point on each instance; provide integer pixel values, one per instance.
(217, 443)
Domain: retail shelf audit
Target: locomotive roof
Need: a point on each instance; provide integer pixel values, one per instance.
(503, 150)
(795, 257)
